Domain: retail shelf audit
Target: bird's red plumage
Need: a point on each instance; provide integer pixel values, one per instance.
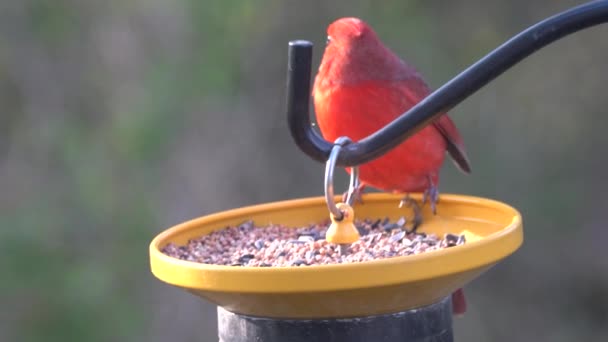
(362, 86)
(359, 110)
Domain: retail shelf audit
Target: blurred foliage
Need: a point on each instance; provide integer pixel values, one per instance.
(121, 118)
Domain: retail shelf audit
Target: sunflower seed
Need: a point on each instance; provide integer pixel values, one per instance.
(259, 243)
(396, 237)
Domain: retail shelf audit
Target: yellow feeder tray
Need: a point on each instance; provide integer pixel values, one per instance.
(493, 231)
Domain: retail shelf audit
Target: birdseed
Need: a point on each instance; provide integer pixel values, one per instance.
(277, 245)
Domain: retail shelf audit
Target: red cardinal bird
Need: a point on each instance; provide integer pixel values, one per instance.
(361, 87)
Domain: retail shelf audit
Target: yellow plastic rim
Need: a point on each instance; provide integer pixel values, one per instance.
(493, 230)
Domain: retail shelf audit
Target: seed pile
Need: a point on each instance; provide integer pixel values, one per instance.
(280, 246)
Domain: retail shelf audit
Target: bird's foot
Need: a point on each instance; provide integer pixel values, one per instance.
(410, 202)
(432, 195)
(357, 195)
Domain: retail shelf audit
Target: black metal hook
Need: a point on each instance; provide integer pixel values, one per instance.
(442, 100)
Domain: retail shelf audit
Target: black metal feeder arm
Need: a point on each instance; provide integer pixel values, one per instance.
(440, 101)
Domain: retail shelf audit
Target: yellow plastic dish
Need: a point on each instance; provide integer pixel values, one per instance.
(493, 230)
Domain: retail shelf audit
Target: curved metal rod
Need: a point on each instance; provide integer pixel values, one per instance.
(440, 101)
(330, 167)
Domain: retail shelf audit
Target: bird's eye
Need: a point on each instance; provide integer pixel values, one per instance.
(328, 40)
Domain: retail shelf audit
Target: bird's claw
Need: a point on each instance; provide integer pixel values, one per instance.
(410, 202)
(432, 195)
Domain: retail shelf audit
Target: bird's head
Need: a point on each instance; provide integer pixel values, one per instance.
(354, 53)
(350, 32)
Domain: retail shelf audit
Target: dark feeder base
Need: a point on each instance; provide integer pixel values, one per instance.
(431, 323)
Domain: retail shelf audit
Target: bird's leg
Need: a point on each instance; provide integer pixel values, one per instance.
(357, 194)
(410, 202)
(432, 195)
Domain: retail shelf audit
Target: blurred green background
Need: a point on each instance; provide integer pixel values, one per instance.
(122, 118)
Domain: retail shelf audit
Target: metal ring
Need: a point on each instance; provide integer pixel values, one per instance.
(330, 166)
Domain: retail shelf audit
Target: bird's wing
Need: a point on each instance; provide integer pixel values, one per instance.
(455, 145)
(415, 90)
